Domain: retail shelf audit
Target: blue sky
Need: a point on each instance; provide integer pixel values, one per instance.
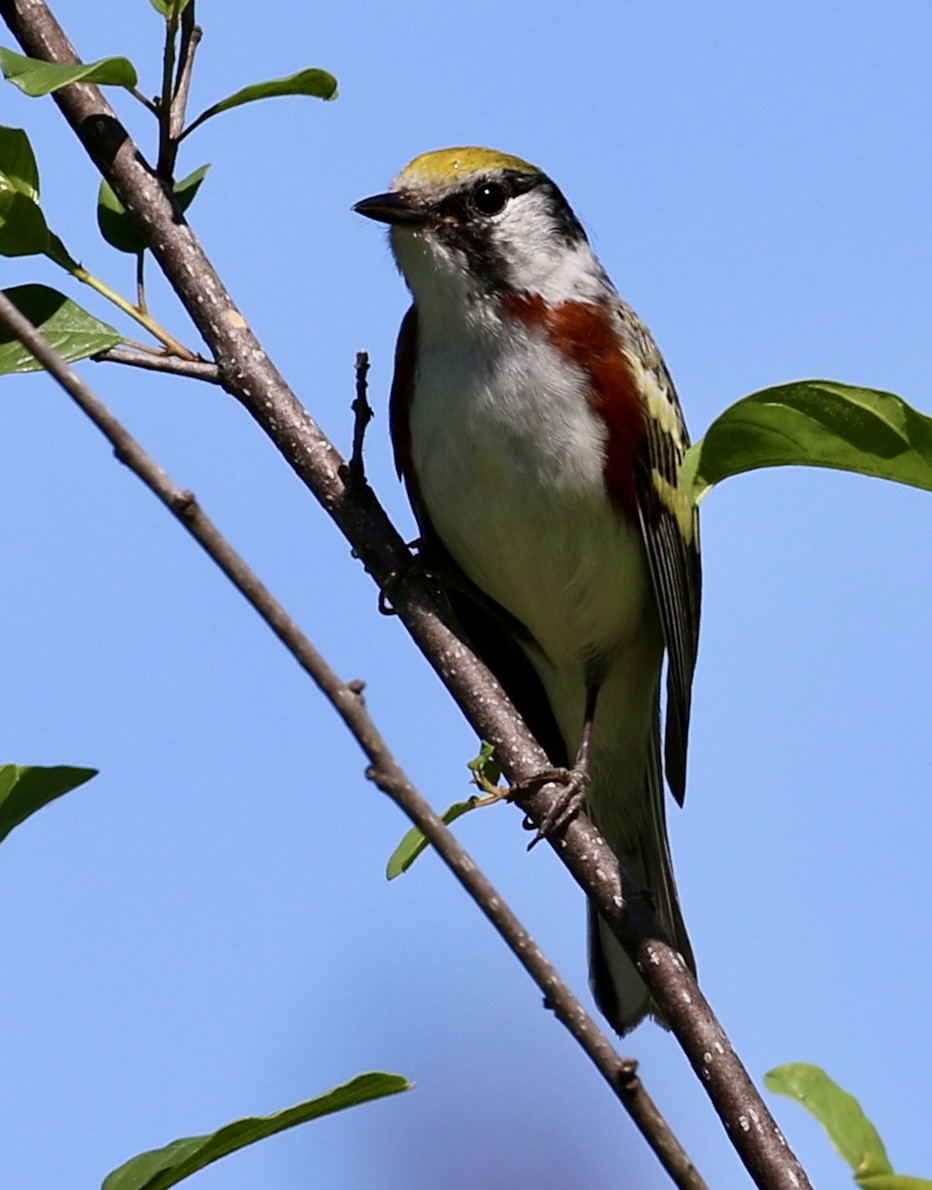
(205, 931)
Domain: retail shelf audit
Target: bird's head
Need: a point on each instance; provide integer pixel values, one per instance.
(468, 223)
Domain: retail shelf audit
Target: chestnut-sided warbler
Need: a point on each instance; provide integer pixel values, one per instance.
(539, 435)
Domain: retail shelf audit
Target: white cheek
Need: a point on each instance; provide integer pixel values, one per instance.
(558, 271)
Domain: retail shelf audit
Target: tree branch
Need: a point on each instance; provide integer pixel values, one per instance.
(249, 375)
(346, 697)
(154, 362)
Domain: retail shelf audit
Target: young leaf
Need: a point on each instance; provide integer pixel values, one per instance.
(415, 841)
(119, 230)
(165, 6)
(35, 77)
(815, 423)
(839, 1113)
(187, 188)
(72, 331)
(18, 162)
(893, 1181)
(25, 790)
(23, 230)
(485, 766)
(161, 1168)
(318, 83)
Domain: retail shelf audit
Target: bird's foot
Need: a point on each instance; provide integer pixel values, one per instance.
(416, 566)
(568, 803)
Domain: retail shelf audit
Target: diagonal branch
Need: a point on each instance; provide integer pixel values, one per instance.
(249, 375)
(346, 697)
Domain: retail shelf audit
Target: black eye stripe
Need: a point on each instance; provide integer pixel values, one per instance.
(461, 223)
(463, 206)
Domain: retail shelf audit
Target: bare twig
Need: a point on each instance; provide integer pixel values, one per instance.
(362, 415)
(249, 374)
(190, 39)
(141, 303)
(384, 769)
(195, 369)
(168, 148)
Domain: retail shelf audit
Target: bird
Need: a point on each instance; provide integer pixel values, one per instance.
(539, 436)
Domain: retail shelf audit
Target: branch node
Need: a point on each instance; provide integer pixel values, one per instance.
(184, 505)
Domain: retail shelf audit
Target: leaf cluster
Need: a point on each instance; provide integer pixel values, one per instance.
(24, 230)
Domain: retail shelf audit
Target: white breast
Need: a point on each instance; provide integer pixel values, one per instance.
(509, 460)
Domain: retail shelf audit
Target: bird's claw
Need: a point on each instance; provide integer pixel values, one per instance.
(568, 803)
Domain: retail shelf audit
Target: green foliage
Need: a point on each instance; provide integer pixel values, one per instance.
(848, 1128)
(23, 230)
(35, 77)
(415, 841)
(18, 162)
(165, 7)
(314, 82)
(485, 772)
(24, 790)
(72, 331)
(160, 1168)
(485, 768)
(120, 230)
(815, 423)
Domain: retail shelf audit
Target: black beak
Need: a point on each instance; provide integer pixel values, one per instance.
(393, 208)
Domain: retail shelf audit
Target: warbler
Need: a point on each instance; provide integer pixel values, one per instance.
(539, 436)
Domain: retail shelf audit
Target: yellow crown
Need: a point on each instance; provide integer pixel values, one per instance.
(446, 164)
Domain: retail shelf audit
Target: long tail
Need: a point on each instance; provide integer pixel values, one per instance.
(619, 991)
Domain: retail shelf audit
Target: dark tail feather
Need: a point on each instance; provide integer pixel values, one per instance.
(619, 991)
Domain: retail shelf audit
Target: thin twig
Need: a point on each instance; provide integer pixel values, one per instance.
(362, 415)
(249, 374)
(383, 769)
(191, 35)
(141, 303)
(195, 369)
(144, 100)
(168, 148)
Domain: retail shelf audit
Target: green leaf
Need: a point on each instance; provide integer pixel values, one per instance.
(25, 790)
(893, 1181)
(55, 250)
(815, 423)
(415, 841)
(35, 77)
(18, 162)
(73, 332)
(187, 188)
(161, 1168)
(23, 230)
(115, 224)
(318, 83)
(839, 1113)
(485, 765)
(165, 6)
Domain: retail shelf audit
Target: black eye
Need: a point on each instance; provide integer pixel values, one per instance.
(490, 197)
